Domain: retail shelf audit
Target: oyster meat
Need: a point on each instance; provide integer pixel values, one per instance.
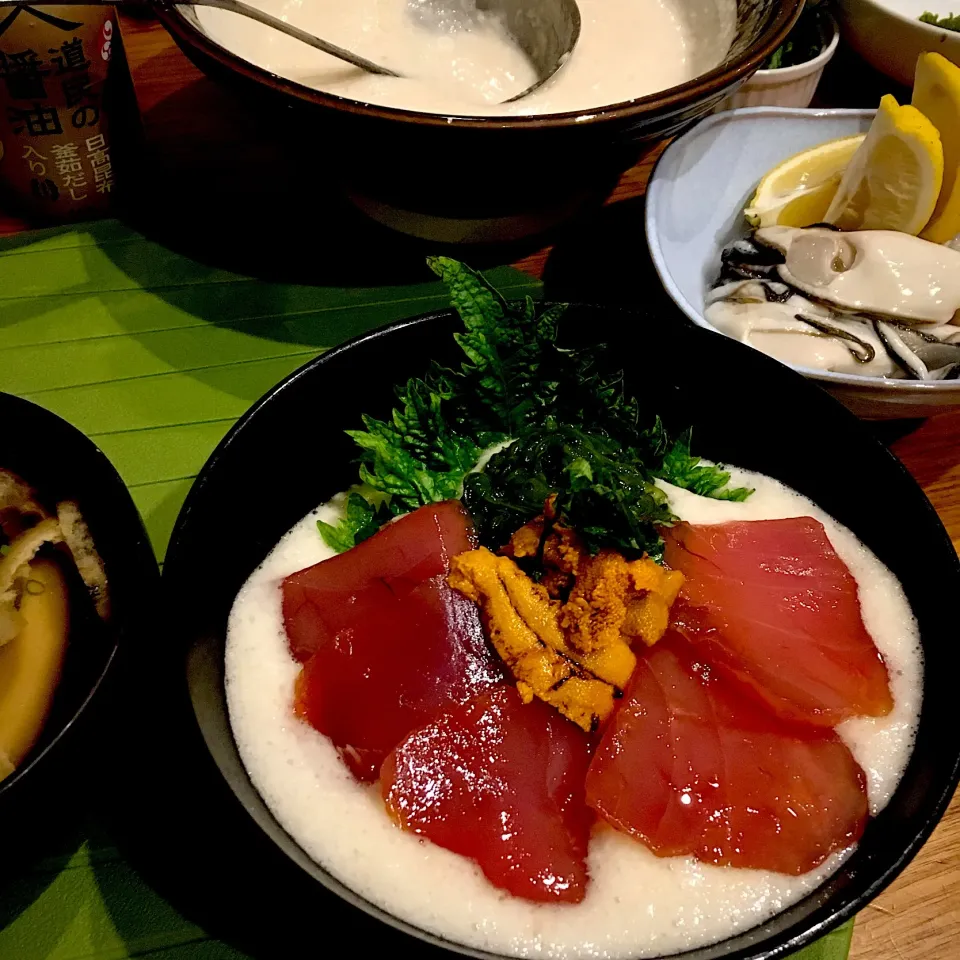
(879, 272)
(876, 302)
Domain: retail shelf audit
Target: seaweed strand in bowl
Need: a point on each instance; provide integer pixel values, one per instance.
(545, 419)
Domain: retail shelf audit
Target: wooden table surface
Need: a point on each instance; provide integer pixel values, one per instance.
(216, 184)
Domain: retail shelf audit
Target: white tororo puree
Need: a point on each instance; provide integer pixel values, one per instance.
(627, 49)
(636, 904)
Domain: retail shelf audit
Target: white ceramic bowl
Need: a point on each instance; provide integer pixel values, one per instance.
(787, 87)
(890, 37)
(694, 208)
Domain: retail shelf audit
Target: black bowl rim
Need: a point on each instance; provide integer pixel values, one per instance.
(702, 87)
(139, 546)
(793, 939)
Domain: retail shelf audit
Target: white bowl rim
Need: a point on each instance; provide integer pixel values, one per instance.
(914, 22)
(808, 66)
(746, 114)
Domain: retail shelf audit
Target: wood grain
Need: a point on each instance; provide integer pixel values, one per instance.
(198, 131)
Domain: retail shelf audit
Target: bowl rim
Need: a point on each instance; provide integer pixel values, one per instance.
(794, 939)
(714, 81)
(804, 69)
(932, 29)
(137, 547)
(657, 184)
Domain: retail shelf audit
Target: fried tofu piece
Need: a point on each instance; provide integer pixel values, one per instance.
(522, 624)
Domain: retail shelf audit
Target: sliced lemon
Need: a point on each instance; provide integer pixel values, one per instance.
(894, 179)
(797, 192)
(936, 94)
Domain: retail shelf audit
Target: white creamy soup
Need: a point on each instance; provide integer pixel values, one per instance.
(627, 49)
(636, 904)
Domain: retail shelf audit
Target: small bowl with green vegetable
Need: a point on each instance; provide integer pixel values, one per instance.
(891, 34)
(790, 76)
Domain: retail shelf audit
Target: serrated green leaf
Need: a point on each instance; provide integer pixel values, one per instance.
(360, 521)
(682, 469)
(569, 415)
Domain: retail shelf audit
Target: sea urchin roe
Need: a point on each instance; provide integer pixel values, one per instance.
(521, 622)
(609, 600)
(501, 782)
(574, 655)
(614, 599)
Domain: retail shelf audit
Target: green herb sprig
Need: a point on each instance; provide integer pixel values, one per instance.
(949, 22)
(361, 520)
(567, 427)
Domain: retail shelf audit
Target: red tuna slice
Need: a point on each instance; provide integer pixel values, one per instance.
(690, 767)
(771, 603)
(500, 782)
(389, 643)
(330, 596)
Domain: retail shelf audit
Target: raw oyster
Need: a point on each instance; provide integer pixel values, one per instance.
(827, 300)
(877, 272)
(922, 354)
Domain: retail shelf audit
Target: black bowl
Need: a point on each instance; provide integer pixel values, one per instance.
(476, 179)
(62, 464)
(744, 407)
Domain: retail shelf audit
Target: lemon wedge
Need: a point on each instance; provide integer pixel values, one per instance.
(797, 192)
(936, 94)
(894, 179)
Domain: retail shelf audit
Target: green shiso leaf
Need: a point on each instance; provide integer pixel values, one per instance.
(566, 426)
(361, 520)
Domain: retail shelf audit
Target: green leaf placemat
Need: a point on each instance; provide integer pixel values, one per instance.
(154, 356)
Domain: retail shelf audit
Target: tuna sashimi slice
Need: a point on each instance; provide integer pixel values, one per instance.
(387, 643)
(501, 782)
(772, 604)
(691, 767)
(330, 596)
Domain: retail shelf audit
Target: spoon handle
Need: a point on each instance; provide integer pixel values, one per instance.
(245, 10)
(238, 7)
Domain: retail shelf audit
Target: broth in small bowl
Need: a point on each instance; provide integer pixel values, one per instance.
(70, 610)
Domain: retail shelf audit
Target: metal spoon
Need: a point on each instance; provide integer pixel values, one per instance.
(245, 10)
(546, 30)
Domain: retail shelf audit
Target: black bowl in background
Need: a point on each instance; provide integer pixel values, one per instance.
(289, 453)
(62, 464)
(479, 179)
